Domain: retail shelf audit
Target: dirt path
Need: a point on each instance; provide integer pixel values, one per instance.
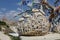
(4, 37)
(54, 36)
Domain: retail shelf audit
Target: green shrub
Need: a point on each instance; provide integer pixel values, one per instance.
(14, 38)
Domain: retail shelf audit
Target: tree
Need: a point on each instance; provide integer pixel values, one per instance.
(2, 24)
(5, 26)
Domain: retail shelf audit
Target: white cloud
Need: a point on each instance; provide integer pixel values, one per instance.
(1, 16)
(9, 14)
(19, 9)
(12, 13)
(3, 9)
(1, 12)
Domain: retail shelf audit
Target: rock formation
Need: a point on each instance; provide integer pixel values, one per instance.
(35, 24)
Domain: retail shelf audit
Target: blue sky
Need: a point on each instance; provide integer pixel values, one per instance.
(9, 4)
(10, 8)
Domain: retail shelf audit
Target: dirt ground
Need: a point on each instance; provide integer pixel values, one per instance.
(52, 36)
(4, 37)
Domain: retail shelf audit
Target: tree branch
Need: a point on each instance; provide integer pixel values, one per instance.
(56, 1)
(44, 2)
